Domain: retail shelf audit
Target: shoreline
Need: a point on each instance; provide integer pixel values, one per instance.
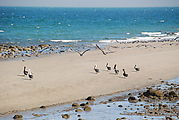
(86, 61)
(78, 100)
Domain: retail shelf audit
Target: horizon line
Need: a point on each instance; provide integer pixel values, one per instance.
(96, 6)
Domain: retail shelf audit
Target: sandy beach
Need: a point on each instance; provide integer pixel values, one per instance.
(68, 77)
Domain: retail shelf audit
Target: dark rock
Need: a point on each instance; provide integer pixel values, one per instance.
(151, 92)
(78, 110)
(87, 108)
(172, 94)
(65, 116)
(83, 104)
(169, 118)
(81, 119)
(44, 45)
(43, 107)
(132, 100)
(75, 105)
(90, 98)
(18, 117)
(120, 106)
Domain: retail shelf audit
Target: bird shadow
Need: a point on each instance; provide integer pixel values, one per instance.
(21, 75)
(93, 73)
(113, 73)
(26, 79)
(122, 77)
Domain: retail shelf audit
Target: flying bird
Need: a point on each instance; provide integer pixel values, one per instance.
(81, 54)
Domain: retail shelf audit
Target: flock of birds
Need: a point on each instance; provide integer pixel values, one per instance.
(27, 73)
(115, 69)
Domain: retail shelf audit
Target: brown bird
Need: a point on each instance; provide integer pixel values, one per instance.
(124, 73)
(137, 69)
(30, 75)
(25, 71)
(108, 67)
(115, 69)
(95, 69)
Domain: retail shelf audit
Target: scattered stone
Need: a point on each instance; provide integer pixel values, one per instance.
(132, 100)
(75, 105)
(87, 108)
(43, 107)
(118, 119)
(81, 119)
(18, 117)
(78, 110)
(169, 118)
(83, 104)
(37, 115)
(90, 98)
(65, 116)
(153, 93)
(120, 106)
(44, 45)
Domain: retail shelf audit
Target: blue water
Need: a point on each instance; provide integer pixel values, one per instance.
(33, 25)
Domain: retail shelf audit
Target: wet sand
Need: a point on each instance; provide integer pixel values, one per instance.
(68, 77)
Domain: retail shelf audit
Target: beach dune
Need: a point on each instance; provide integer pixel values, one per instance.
(68, 77)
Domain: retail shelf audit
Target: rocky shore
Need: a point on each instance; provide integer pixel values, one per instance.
(157, 102)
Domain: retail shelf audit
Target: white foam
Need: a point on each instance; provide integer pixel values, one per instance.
(151, 33)
(177, 33)
(65, 41)
(162, 21)
(108, 41)
(2, 31)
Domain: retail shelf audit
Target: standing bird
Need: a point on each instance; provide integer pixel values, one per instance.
(115, 70)
(136, 69)
(124, 73)
(108, 67)
(30, 75)
(25, 71)
(115, 66)
(95, 69)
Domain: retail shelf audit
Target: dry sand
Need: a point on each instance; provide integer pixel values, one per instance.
(69, 77)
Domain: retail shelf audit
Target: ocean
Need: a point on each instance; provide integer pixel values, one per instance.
(36, 25)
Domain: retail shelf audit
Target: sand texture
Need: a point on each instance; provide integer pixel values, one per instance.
(68, 77)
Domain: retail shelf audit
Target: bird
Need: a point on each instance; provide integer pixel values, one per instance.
(137, 69)
(108, 67)
(95, 69)
(30, 75)
(104, 53)
(81, 54)
(124, 73)
(115, 66)
(115, 70)
(25, 71)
